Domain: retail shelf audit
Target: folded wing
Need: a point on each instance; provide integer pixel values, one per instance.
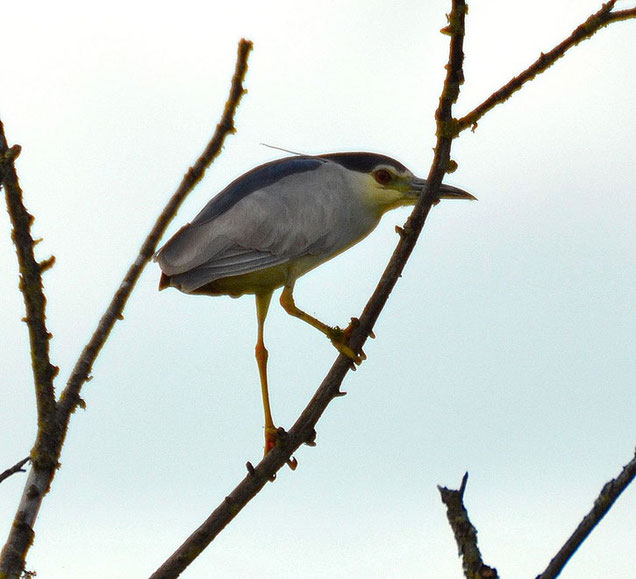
(267, 217)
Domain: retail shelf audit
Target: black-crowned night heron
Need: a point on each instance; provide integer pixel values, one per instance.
(279, 221)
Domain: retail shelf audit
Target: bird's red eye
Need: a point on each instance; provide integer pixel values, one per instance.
(382, 176)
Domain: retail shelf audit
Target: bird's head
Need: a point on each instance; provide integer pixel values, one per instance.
(385, 183)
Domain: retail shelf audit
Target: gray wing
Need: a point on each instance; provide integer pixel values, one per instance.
(246, 229)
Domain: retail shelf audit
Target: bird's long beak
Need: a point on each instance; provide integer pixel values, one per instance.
(445, 191)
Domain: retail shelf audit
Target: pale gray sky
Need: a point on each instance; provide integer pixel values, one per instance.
(507, 348)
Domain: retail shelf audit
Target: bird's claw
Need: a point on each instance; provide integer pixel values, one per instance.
(273, 436)
(292, 462)
(340, 339)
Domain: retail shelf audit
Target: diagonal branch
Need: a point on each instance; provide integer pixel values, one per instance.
(303, 431)
(53, 423)
(593, 24)
(70, 399)
(607, 497)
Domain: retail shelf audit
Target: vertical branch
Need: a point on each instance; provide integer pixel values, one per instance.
(35, 304)
(465, 533)
(44, 454)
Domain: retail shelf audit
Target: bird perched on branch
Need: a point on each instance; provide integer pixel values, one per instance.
(279, 221)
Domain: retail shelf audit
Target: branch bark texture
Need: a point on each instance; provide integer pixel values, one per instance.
(607, 497)
(591, 26)
(303, 430)
(54, 417)
(465, 533)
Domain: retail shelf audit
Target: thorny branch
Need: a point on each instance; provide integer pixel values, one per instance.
(53, 417)
(70, 396)
(591, 26)
(34, 302)
(303, 430)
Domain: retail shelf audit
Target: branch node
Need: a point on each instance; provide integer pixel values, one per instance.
(11, 154)
(451, 128)
(311, 440)
(46, 264)
(291, 463)
(465, 533)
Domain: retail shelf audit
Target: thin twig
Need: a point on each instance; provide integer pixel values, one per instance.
(303, 431)
(593, 24)
(15, 468)
(52, 431)
(465, 533)
(607, 497)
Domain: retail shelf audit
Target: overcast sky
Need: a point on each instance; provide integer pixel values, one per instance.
(507, 348)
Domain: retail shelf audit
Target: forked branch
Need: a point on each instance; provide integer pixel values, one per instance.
(465, 533)
(54, 417)
(303, 431)
(591, 26)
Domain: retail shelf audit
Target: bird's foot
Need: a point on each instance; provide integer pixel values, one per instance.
(340, 339)
(272, 436)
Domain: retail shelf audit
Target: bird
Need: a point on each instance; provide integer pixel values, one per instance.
(279, 221)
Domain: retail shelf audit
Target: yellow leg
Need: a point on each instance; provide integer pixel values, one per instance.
(337, 336)
(262, 305)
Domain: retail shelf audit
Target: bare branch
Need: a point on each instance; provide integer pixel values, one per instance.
(35, 304)
(70, 399)
(303, 431)
(15, 468)
(465, 533)
(53, 424)
(45, 452)
(609, 493)
(593, 24)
